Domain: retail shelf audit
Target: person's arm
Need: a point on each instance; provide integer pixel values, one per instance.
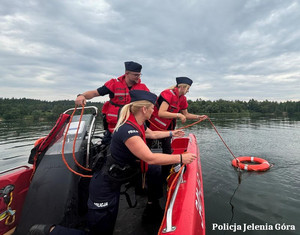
(164, 113)
(138, 147)
(192, 116)
(163, 134)
(81, 98)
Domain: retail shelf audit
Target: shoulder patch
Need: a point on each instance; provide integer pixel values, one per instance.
(132, 131)
(101, 204)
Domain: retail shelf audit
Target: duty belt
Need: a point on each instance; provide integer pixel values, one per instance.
(118, 173)
(117, 105)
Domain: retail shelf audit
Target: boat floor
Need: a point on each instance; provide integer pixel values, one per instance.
(129, 220)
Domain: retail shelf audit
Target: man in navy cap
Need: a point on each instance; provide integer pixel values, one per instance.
(118, 90)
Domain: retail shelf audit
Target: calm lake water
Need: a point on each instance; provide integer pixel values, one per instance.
(268, 200)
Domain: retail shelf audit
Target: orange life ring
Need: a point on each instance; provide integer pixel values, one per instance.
(262, 165)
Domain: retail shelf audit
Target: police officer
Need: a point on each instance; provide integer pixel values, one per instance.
(118, 91)
(171, 105)
(128, 149)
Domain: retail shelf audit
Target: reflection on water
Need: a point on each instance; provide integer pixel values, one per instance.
(270, 197)
(17, 139)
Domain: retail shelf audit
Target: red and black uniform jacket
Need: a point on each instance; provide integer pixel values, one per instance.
(176, 103)
(119, 96)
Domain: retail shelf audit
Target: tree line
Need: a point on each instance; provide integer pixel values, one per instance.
(247, 107)
(12, 108)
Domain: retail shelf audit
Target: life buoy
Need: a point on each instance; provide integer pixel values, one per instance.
(262, 165)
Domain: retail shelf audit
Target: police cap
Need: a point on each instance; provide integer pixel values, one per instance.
(137, 95)
(184, 80)
(133, 66)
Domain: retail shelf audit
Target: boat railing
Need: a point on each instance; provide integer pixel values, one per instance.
(87, 107)
(91, 130)
(13, 169)
(169, 227)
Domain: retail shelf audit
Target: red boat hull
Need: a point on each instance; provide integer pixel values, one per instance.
(188, 211)
(20, 178)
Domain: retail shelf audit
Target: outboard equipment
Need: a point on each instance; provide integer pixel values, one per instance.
(53, 195)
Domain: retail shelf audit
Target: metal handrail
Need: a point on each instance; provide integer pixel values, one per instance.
(88, 107)
(92, 126)
(169, 227)
(90, 130)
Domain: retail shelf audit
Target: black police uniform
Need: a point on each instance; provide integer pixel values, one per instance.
(104, 190)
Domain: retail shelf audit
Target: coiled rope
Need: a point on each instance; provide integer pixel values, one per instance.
(74, 144)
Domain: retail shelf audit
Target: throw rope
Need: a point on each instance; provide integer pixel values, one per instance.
(221, 138)
(63, 146)
(169, 198)
(194, 123)
(184, 127)
(74, 142)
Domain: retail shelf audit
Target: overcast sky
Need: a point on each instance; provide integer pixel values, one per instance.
(231, 49)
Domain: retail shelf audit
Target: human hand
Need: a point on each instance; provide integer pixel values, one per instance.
(202, 117)
(178, 133)
(188, 158)
(80, 100)
(182, 117)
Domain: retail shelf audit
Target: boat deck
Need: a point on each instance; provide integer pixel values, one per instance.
(129, 220)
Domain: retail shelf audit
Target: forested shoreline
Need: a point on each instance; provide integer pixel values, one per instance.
(12, 108)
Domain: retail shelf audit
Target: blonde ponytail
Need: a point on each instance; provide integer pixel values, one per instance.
(123, 116)
(133, 108)
(172, 87)
(183, 85)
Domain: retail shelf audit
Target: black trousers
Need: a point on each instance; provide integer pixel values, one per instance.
(60, 230)
(103, 202)
(166, 148)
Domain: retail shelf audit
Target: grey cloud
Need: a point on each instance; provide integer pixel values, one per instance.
(227, 47)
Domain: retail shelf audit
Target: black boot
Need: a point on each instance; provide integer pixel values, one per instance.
(153, 212)
(40, 229)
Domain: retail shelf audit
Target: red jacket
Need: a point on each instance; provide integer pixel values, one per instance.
(141, 129)
(121, 97)
(176, 103)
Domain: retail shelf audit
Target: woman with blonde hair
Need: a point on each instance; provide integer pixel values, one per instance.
(171, 105)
